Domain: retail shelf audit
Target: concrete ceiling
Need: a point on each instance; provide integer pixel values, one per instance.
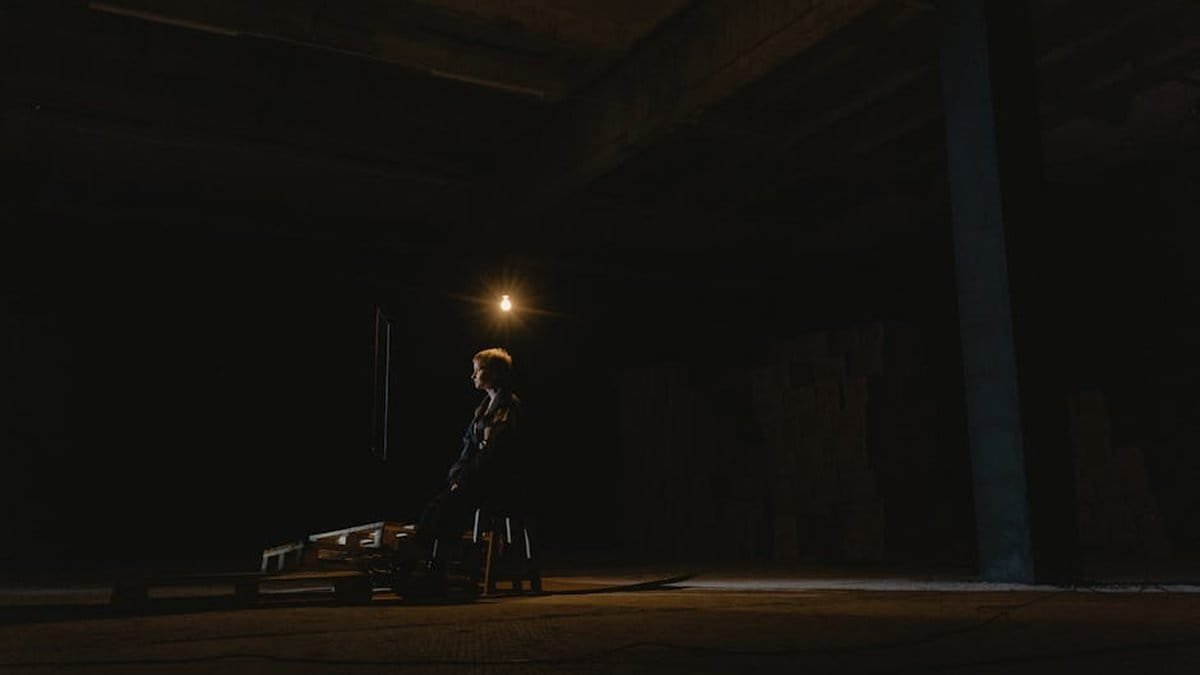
(566, 124)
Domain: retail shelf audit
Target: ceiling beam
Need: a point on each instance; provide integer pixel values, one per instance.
(403, 35)
(176, 115)
(565, 24)
(694, 60)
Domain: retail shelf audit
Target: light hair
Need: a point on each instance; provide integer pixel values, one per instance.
(497, 363)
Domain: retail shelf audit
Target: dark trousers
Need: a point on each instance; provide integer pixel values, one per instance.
(448, 514)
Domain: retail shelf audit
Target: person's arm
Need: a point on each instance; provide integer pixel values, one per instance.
(456, 469)
(498, 439)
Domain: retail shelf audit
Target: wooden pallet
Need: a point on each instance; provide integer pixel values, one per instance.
(491, 552)
(344, 546)
(349, 586)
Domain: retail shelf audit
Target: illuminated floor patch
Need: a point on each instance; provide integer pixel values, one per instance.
(910, 585)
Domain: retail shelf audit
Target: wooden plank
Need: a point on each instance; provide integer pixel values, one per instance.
(347, 531)
(350, 586)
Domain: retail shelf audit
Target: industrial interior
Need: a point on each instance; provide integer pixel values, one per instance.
(850, 335)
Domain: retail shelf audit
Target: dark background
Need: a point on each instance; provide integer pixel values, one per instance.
(208, 395)
(197, 232)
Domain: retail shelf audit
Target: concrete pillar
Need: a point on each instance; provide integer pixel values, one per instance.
(986, 323)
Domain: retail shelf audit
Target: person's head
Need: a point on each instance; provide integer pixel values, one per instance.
(492, 369)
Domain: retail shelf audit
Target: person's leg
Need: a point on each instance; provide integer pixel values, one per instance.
(439, 533)
(429, 524)
(446, 515)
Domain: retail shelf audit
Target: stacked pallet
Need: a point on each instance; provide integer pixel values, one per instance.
(1117, 513)
(811, 401)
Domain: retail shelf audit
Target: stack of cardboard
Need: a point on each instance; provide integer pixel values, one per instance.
(1117, 511)
(829, 497)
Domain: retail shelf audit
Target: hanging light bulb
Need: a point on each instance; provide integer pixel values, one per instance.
(505, 304)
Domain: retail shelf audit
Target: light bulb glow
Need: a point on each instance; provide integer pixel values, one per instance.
(505, 304)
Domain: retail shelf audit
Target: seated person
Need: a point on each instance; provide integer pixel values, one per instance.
(486, 472)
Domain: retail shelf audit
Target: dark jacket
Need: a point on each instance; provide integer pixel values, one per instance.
(489, 463)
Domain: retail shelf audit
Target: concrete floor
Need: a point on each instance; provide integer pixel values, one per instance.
(594, 623)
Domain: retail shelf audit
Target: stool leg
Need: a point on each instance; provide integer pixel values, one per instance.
(535, 578)
(489, 586)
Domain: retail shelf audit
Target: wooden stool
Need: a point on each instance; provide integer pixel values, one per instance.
(508, 555)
